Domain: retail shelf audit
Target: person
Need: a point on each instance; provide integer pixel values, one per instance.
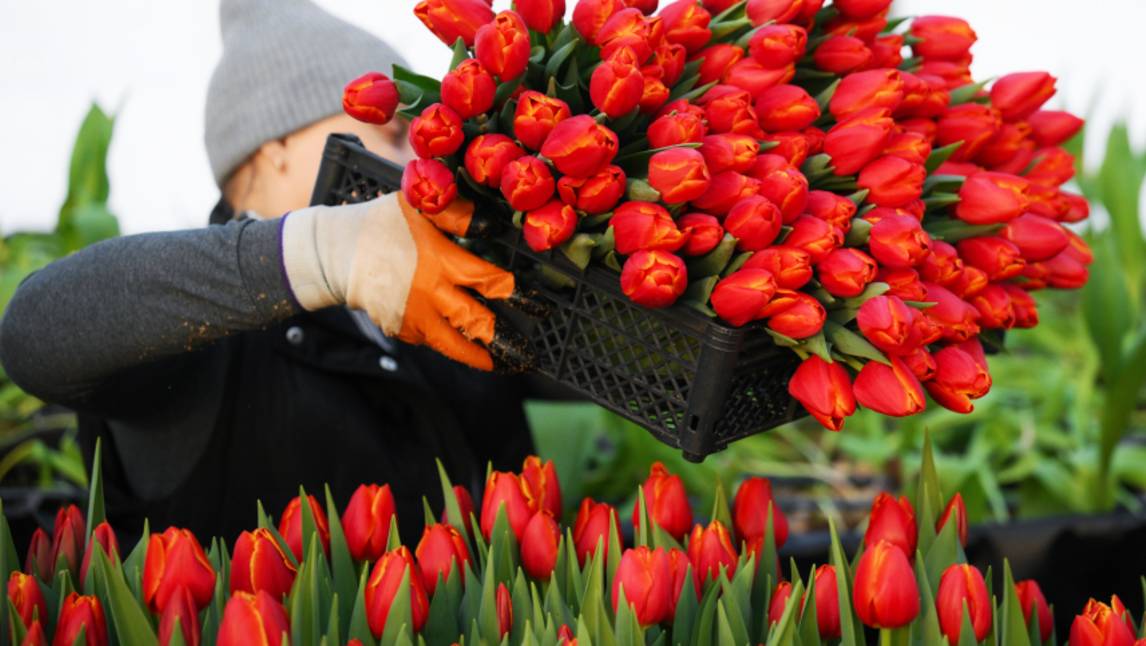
(234, 363)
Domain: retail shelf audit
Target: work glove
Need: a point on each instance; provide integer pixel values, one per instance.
(389, 260)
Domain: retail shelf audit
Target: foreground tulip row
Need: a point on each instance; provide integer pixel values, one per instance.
(507, 572)
(778, 163)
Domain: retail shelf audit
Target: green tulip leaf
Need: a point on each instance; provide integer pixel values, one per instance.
(127, 616)
(1013, 623)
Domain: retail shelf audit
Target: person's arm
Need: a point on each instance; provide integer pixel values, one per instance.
(137, 300)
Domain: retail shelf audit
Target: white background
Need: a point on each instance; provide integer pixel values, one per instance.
(149, 61)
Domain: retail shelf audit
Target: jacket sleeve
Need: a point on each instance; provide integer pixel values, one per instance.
(117, 308)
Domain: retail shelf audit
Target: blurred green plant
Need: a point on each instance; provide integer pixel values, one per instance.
(84, 218)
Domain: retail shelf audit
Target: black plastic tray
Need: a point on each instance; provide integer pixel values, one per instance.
(693, 382)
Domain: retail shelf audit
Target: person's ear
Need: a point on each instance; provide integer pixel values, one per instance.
(274, 156)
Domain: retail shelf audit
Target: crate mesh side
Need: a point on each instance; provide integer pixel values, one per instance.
(759, 399)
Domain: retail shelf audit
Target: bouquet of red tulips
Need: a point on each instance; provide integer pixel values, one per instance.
(776, 163)
(508, 572)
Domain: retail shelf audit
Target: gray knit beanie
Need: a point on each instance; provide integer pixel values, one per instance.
(284, 65)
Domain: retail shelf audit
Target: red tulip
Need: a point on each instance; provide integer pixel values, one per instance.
(653, 278)
(382, 588)
(68, 537)
(791, 267)
(539, 544)
(775, 46)
(428, 185)
(646, 577)
(580, 147)
(617, 84)
(858, 140)
(592, 528)
(596, 194)
(882, 88)
(104, 536)
(909, 146)
(716, 60)
(686, 23)
(1025, 307)
(504, 606)
(885, 592)
(827, 602)
(366, 522)
(702, 232)
(783, 184)
(527, 183)
(1051, 167)
(942, 38)
(182, 612)
(541, 15)
(679, 174)
(846, 272)
(35, 635)
(899, 242)
(741, 296)
(729, 152)
(957, 319)
(754, 222)
(995, 308)
(825, 391)
(750, 512)
(26, 598)
(639, 226)
(887, 322)
(1010, 150)
(542, 488)
(889, 389)
(371, 98)
(437, 132)
(677, 128)
(535, 117)
(465, 505)
(454, 19)
(1016, 96)
(892, 181)
(780, 597)
(504, 489)
(654, 93)
(780, 11)
(960, 376)
(841, 54)
(903, 283)
(815, 236)
(1052, 127)
(1032, 601)
(754, 78)
(956, 510)
(259, 563)
(627, 28)
(1102, 625)
(710, 550)
(441, 548)
(796, 315)
(502, 45)
(487, 156)
(253, 619)
(671, 59)
(973, 124)
(786, 107)
(469, 89)
(991, 198)
(565, 636)
(866, 29)
(827, 206)
(290, 525)
(943, 265)
(729, 109)
(892, 521)
(920, 362)
(962, 586)
(176, 560)
(681, 567)
(665, 502)
(38, 561)
(1064, 271)
(998, 257)
(590, 15)
(725, 190)
(887, 51)
(80, 614)
(951, 74)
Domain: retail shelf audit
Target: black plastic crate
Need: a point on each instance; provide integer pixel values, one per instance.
(693, 382)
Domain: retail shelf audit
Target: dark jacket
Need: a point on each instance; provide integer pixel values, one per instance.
(210, 389)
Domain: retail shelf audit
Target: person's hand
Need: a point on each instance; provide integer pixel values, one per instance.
(391, 261)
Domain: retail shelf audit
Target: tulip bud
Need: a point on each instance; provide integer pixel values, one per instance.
(729, 109)
(527, 183)
(180, 611)
(68, 537)
(26, 598)
(653, 278)
(825, 391)
(539, 544)
(776, 46)
(909, 146)
(1102, 625)
(716, 60)
(702, 233)
(592, 528)
(899, 242)
(253, 619)
(654, 94)
(780, 11)
(885, 590)
(627, 28)
(952, 74)
(646, 577)
(750, 512)
(962, 587)
(1064, 271)
(641, 226)
(835, 209)
(960, 376)
(941, 38)
(886, 322)
(437, 132)
(791, 267)
(903, 283)
(38, 561)
(858, 140)
(678, 128)
(841, 54)
(815, 236)
(617, 85)
(1025, 307)
(541, 15)
(440, 549)
(995, 308)
(590, 15)
(502, 45)
(596, 194)
(382, 587)
(729, 152)
(104, 537)
(892, 181)
(579, 146)
(786, 107)
(665, 502)
(1052, 127)
(957, 319)
(892, 390)
(866, 29)
(290, 526)
(783, 184)
(754, 78)
(887, 51)
(957, 511)
(686, 23)
(428, 185)
(487, 156)
(671, 59)
(741, 296)
(176, 560)
(81, 614)
(754, 222)
(882, 88)
(846, 272)
(35, 635)
(1051, 167)
(259, 563)
(1010, 150)
(780, 597)
(725, 190)
(971, 123)
(371, 98)
(468, 89)
(796, 315)
(710, 550)
(1032, 600)
(505, 489)
(679, 174)
(1016, 96)
(366, 522)
(827, 602)
(943, 265)
(541, 485)
(996, 256)
(535, 117)
(454, 19)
